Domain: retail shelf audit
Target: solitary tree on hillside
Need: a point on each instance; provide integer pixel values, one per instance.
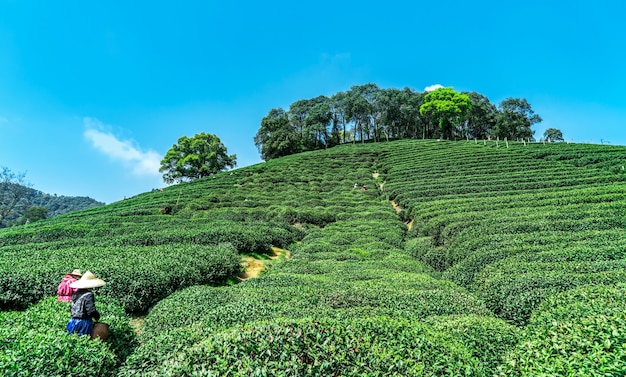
(13, 192)
(196, 157)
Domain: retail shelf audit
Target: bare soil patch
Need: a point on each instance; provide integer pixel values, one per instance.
(398, 209)
(136, 322)
(253, 267)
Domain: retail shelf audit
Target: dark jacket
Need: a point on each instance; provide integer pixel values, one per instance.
(84, 305)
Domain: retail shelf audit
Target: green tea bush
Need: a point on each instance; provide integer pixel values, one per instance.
(136, 276)
(589, 346)
(482, 250)
(418, 247)
(403, 263)
(34, 342)
(604, 157)
(368, 346)
(585, 301)
(286, 295)
(487, 338)
(314, 248)
(350, 290)
(512, 226)
(514, 294)
(224, 306)
(396, 261)
(44, 233)
(315, 216)
(511, 237)
(304, 266)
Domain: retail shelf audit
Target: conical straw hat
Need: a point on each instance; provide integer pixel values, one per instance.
(88, 280)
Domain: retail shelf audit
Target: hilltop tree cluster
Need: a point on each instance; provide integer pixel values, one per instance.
(369, 113)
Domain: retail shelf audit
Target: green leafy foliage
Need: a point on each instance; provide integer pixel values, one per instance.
(514, 230)
(515, 119)
(488, 254)
(54, 205)
(137, 276)
(365, 346)
(578, 332)
(196, 157)
(34, 342)
(368, 113)
(447, 107)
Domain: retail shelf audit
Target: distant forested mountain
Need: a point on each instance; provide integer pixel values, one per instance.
(55, 205)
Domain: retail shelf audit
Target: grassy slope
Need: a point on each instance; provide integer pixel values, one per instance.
(504, 228)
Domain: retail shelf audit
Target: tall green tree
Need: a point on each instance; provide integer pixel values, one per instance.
(196, 157)
(34, 213)
(308, 128)
(338, 104)
(553, 134)
(277, 137)
(297, 113)
(448, 107)
(481, 117)
(360, 110)
(14, 191)
(317, 122)
(388, 112)
(412, 122)
(515, 119)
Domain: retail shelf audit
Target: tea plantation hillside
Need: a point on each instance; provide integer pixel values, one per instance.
(459, 258)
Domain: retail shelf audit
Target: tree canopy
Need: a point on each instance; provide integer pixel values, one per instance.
(481, 117)
(275, 138)
(553, 134)
(447, 107)
(515, 119)
(366, 113)
(196, 157)
(34, 213)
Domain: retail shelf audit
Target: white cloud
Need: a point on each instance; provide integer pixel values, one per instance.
(432, 87)
(140, 162)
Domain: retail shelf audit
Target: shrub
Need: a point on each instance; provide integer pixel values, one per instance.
(487, 338)
(588, 346)
(34, 342)
(156, 272)
(326, 347)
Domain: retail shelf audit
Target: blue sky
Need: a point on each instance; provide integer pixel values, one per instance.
(92, 94)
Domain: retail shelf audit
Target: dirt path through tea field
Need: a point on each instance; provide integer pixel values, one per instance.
(395, 205)
(254, 266)
(397, 208)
